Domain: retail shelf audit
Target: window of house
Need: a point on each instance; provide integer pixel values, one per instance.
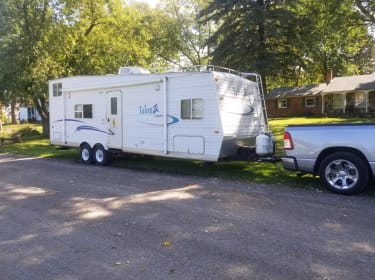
(338, 101)
(192, 109)
(360, 100)
(57, 89)
(83, 111)
(310, 102)
(282, 103)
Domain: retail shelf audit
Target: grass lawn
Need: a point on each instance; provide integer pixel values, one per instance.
(244, 171)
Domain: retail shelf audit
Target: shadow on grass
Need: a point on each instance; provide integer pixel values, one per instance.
(255, 172)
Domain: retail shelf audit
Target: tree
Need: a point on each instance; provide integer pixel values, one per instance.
(257, 35)
(367, 9)
(190, 36)
(289, 42)
(337, 40)
(46, 39)
(25, 25)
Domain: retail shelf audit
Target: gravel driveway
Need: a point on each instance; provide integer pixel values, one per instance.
(65, 220)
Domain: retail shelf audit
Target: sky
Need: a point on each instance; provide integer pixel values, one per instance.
(152, 3)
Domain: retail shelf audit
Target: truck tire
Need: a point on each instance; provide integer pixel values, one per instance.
(101, 156)
(344, 173)
(85, 153)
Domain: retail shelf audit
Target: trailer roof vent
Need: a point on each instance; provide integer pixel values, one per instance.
(132, 70)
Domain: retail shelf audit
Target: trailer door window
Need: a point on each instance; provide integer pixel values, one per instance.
(57, 89)
(113, 105)
(83, 111)
(192, 109)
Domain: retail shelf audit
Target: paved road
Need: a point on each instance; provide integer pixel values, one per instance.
(65, 220)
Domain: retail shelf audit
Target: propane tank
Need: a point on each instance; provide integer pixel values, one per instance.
(264, 144)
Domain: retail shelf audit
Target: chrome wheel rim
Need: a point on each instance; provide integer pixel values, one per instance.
(341, 174)
(99, 156)
(85, 154)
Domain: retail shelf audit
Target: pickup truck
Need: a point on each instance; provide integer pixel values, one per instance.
(342, 155)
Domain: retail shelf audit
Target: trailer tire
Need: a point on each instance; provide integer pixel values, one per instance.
(85, 153)
(101, 156)
(344, 173)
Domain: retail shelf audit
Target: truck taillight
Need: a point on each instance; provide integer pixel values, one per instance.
(288, 143)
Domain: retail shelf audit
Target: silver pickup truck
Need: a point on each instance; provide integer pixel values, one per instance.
(343, 155)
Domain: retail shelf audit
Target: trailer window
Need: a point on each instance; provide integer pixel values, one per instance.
(192, 109)
(57, 89)
(113, 105)
(83, 111)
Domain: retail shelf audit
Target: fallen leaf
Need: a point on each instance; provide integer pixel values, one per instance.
(166, 243)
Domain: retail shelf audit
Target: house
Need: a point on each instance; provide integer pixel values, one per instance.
(29, 114)
(302, 101)
(351, 95)
(23, 114)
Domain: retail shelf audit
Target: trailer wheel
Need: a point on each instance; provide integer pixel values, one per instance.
(101, 156)
(85, 153)
(344, 173)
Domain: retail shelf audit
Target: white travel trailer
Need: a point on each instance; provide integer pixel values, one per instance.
(205, 115)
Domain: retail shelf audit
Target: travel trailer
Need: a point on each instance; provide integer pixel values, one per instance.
(203, 113)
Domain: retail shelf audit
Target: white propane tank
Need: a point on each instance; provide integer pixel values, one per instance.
(264, 144)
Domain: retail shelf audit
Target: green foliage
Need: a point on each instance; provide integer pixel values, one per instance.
(45, 39)
(255, 35)
(190, 36)
(338, 39)
(367, 9)
(290, 43)
(23, 131)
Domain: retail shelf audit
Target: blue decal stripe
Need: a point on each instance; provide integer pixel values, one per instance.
(70, 120)
(91, 128)
(174, 120)
(86, 127)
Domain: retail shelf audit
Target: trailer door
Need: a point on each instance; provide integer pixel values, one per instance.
(57, 114)
(114, 119)
(144, 119)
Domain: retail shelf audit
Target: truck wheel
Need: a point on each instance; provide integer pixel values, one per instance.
(101, 156)
(86, 154)
(344, 173)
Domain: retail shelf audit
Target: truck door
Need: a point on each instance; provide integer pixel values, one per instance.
(114, 119)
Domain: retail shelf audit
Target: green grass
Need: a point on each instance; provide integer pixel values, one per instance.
(39, 147)
(243, 171)
(24, 131)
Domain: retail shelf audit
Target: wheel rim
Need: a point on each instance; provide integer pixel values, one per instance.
(342, 174)
(85, 154)
(99, 156)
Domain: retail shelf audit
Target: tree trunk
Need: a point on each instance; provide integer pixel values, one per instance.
(45, 126)
(13, 112)
(41, 106)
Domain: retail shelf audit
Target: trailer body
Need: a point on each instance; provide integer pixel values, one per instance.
(204, 115)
